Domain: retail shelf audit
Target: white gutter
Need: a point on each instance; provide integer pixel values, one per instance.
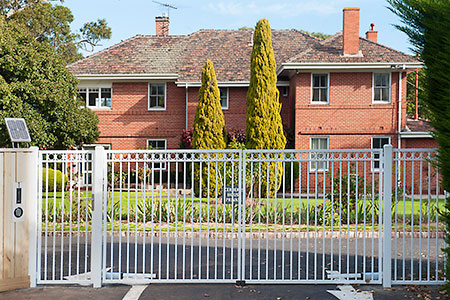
(226, 83)
(412, 135)
(348, 66)
(127, 76)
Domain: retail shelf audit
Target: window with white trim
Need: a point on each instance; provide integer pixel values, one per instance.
(157, 145)
(378, 143)
(96, 97)
(319, 143)
(156, 96)
(224, 97)
(381, 87)
(319, 88)
(284, 91)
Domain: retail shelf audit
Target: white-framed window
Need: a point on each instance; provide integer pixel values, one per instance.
(98, 97)
(284, 91)
(158, 144)
(224, 97)
(86, 170)
(381, 87)
(320, 88)
(156, 96)
(319, 143)
(377, 143)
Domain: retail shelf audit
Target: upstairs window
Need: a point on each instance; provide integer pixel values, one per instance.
(157, 96)
(381, 88)
(96, 97)
(319, 143)
(224, 98)
(378, 143)
(320, 88)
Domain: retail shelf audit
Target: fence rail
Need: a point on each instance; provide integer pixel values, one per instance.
(259, 216)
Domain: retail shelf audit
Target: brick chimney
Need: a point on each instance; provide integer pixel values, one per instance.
(162, 25)
(351, 32)
(372, 35)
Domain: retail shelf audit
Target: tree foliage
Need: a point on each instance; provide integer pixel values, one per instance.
(319, 35)
(209, 130)
(50, 24)
(209, 124)
(427, 23)
(264, 125)
(36, 85)
(424, 112)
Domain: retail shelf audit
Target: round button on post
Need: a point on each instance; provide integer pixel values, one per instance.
(18, 212)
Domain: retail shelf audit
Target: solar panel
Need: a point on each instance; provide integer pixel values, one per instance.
(18, 130)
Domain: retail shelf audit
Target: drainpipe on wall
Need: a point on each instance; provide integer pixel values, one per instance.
(187, 107)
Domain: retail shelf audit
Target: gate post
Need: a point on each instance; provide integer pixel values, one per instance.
(34, 191)
(97, 193)
(387, 215)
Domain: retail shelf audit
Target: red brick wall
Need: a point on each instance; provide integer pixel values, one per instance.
(234, 115)
(129, 124)
(350, 119)
(419, 143)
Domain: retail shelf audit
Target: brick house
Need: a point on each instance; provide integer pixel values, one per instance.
(342, 92)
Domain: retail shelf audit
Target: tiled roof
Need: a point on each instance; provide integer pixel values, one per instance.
(419, 125)
(330, 50)
(136, 55)
(229, 50)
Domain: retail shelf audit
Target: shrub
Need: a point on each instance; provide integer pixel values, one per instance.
(51, 180)
(186, 139)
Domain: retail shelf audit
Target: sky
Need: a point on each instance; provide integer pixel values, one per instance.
(130, 17)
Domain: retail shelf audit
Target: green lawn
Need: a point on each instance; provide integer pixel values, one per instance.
(129, 199)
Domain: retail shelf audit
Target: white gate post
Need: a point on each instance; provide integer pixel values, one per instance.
(387, 215)
(97, 193)
(32, 207)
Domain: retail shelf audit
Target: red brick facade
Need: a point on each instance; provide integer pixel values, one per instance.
(349, 120)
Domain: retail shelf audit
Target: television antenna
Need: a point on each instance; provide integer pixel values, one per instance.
(166, 5)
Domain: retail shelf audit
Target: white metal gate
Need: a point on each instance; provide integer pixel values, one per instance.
(253, 216)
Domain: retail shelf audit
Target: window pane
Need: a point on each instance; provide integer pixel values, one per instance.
(93, 97)
(160, 89)
(323, 95)
(376, 143)
(316, 96)
(385, 94)
(153, 89)
(106, 97)
(377, 94)
(316, 81)
(152, 101)
(378, 80)
(82, 93)
(384, 79)
(323, 80)
(160, 101)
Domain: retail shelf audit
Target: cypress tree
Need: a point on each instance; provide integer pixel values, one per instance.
(427, 23)
(264, 125)
(209, 131)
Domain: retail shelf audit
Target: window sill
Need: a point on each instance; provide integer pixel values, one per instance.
(156, 109)
(95, 108)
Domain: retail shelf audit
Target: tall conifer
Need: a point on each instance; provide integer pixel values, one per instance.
(209, 131)
(264, 125)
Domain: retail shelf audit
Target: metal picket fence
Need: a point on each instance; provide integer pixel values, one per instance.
(241, 216)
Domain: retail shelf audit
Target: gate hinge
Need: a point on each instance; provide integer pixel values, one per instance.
(240, 282)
